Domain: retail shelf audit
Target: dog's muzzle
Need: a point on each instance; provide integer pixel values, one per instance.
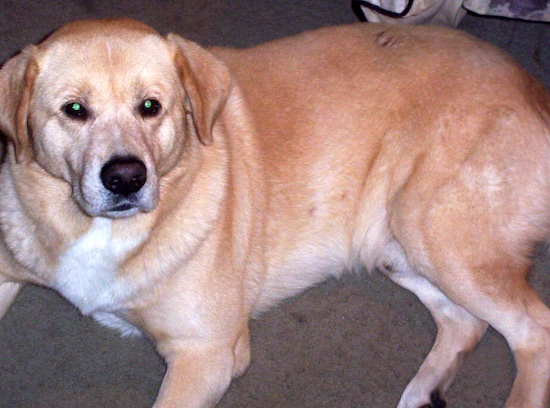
(124, 177)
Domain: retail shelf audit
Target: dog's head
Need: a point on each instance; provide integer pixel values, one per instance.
(110, 106)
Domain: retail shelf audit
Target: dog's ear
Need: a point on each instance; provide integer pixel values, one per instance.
(17, 78)
(206, 81)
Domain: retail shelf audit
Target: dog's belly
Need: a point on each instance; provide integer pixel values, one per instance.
(299, 268)
(339, 228)
(297, 263)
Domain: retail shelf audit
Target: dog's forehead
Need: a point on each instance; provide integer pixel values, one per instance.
(82, 51)
(106, 52)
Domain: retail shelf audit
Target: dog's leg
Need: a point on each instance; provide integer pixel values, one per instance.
(8, 293)
(531, 347)
(516, 311)
(458, 333)
(484, 272)
(195, 378)
(490, 282)
(198, 375)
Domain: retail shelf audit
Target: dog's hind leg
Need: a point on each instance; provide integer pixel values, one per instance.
(479, 258)
(458, 332)
(516, 311)
(8, 293)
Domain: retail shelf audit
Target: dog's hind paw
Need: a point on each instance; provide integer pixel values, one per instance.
(436, 401)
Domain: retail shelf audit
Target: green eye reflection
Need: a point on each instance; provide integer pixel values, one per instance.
(75, 110)
(150, 107)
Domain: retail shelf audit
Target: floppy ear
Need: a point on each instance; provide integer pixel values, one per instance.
(206, 81)
(16, 87)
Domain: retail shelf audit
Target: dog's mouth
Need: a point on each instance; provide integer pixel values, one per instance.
(110, 205)
(122, 207)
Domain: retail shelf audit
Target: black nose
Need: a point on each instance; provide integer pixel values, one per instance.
(124, 175)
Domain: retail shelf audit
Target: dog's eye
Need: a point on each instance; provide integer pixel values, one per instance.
(76, 110)
(150, 107)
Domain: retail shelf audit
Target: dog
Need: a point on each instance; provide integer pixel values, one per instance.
(176, 191)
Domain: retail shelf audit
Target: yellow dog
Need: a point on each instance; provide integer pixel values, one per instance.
(178, 191)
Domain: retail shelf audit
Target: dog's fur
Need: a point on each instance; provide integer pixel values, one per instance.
(418, 151)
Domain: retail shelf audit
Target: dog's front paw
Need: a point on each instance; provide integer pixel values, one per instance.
(436, 401)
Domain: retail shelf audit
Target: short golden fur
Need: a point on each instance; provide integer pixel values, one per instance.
(418, 151)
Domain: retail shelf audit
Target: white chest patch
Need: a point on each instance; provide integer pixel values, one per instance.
(87, 270)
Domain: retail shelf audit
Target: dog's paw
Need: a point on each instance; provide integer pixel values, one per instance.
(436, 401)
